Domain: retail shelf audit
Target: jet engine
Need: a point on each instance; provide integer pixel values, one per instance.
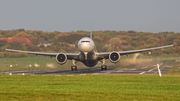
(61, 58)
(114, 57)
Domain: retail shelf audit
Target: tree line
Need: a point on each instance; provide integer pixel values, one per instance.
(104, 40)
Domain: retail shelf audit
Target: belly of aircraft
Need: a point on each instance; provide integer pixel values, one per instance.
(89, 63)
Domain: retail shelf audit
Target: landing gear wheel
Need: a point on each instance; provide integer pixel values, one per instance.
(103, 67)
(73, 68)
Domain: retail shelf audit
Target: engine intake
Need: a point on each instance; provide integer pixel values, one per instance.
(114, 57)
(61, 58)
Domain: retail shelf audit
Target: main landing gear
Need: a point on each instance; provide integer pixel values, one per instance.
(103, 66)
(74, 67)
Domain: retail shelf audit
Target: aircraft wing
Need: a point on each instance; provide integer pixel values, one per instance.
(70, 56)
(106, 54)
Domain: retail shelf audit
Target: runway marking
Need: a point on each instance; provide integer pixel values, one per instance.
(120, 71)
(142, 72)
(150, 70)
(160, 69)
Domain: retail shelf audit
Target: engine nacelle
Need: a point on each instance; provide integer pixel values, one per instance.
(114, 57)
(61, 58)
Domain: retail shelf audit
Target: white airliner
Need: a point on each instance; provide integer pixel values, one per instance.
(88, 54)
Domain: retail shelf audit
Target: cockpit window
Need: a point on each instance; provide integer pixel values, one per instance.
(85, 41)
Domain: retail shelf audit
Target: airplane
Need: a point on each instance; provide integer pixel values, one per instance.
(88, 54)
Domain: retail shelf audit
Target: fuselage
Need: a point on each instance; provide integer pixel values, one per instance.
(88, 52)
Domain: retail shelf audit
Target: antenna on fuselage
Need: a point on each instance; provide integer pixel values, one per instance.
(91, 35)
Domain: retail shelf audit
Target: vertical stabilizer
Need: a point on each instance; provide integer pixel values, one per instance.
(91, 35)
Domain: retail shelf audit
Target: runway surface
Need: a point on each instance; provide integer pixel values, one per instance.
(112, 69)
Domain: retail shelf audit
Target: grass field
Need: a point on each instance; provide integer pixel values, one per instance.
(89, 88)
(86, 87)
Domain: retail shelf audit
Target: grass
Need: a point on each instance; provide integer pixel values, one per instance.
(89, 87)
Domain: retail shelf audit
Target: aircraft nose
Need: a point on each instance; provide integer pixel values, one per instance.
(85, 47)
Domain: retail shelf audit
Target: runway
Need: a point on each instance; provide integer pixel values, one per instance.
(112, 69)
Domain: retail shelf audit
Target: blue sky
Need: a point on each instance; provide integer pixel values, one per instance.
(91, 15)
